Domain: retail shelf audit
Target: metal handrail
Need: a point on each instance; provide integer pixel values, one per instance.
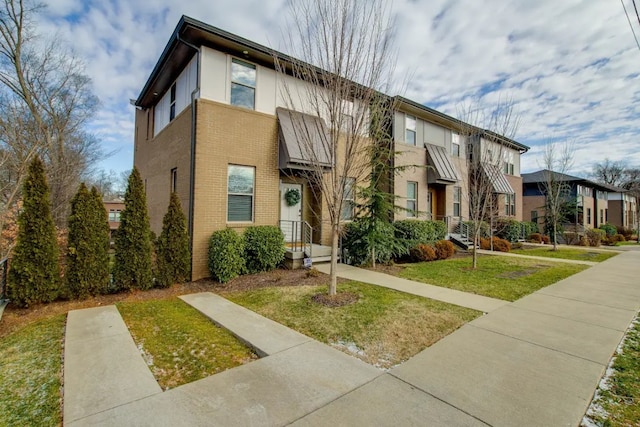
(299, 235)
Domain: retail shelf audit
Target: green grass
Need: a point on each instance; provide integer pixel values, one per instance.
(621, 400)
(566, 253)
(387, 326)
(627, 243)
(506, 278)
(30, 374)
(179, 343)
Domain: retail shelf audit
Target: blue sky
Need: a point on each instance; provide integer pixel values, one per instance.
(571, 67)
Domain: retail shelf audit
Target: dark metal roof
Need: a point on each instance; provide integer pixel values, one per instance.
(443, 170)
(544, 174)
(499, 182)
(303, 141)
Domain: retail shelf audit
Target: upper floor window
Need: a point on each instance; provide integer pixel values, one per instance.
(243, 84)
(509, 167)
(348, 199)
(510, 205)
(457, 197)
(240, 184)
(114, 215)
(410, 130)
(455, 145)
(412, 199)
(174, 180)
(172, 102)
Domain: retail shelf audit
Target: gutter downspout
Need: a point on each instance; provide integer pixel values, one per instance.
(192, 172)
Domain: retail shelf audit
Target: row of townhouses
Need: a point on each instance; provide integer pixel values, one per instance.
(212, 126)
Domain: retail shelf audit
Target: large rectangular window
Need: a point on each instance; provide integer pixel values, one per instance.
(457, 196)
(114, 215)
(243, 84)
(410, 130)
(348, 200)
(412, 199)
(510, 204)
(601, 216)
(240, 185)
(455, 145)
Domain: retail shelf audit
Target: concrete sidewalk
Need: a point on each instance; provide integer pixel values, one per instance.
(452, 296)
(534, 362)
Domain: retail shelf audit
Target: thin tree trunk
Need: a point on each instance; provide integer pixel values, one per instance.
(373, 257)
(476, 241)
(334, 259)
(555, 239)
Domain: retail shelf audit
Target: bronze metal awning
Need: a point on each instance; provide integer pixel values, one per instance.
(303, 141)
(442, 170)
(497, 179)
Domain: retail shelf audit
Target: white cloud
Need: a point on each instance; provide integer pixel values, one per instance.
(571, 66)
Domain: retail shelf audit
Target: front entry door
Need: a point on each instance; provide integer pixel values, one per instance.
(291, 215)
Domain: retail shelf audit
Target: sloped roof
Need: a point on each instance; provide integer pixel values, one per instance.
(444, 170)
(498, 181)
(542, 175)
(303, 140)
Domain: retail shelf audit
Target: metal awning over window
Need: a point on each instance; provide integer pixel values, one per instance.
(303, 141)
(443, 171)
(497, 179)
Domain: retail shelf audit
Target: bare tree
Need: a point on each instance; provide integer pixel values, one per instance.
(610, 172)
(557, 159)
(344, 63)
(46, 100)
(485, 131)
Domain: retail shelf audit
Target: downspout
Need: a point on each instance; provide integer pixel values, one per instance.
(192, 171)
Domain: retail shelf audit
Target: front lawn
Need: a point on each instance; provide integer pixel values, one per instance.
(180, 344)
(617, 401)
(566, 253)
(384, 327)
(31, 374)
(506, 278)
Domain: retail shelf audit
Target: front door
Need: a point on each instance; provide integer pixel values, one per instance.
(291, 211)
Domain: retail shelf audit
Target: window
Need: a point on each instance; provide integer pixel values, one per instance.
(172, 101)
(429, 207)
(243, 84)
(410, 130)
(457, 196)
(601, 216)
(412, 199)
(510, 204)
(455, 145)
(348, 201)
(606, 215)
(588, 215)
(534, 216)
(240, 183)
(114, 215)
(470, 152)
(509, 167)
(174, 179)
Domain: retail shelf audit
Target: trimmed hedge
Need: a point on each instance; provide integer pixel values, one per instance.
(444, 249)
(413, 232)
(226, 255)
(610, 229)
(499, 245)
(264, 248)
(423, 253)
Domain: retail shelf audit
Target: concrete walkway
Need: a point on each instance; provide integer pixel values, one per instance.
(452, 296)
(534, 362)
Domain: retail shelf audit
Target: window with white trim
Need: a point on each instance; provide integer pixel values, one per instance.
(240, 187)
(412, 199)
(457, 197)
(455, 145)
(510, 204)
(243, 84)
(410, 130)
(348, 200)
(114, 215)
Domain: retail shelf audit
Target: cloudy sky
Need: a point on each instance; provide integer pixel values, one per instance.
(572, 67)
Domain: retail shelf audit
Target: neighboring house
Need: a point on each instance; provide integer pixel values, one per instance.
(440, 147)
(623, 208)
(113, 208)
(589, 198)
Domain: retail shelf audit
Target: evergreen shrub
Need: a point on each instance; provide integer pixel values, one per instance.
(264, 248)
(226, 255)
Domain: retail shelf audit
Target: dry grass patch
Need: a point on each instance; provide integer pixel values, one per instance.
(179, 344)
(383, 327)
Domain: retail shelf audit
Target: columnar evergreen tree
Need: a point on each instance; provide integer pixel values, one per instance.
(34, 275)
(173, 255)
(88, 245)
(100, 244)
(132, 267)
